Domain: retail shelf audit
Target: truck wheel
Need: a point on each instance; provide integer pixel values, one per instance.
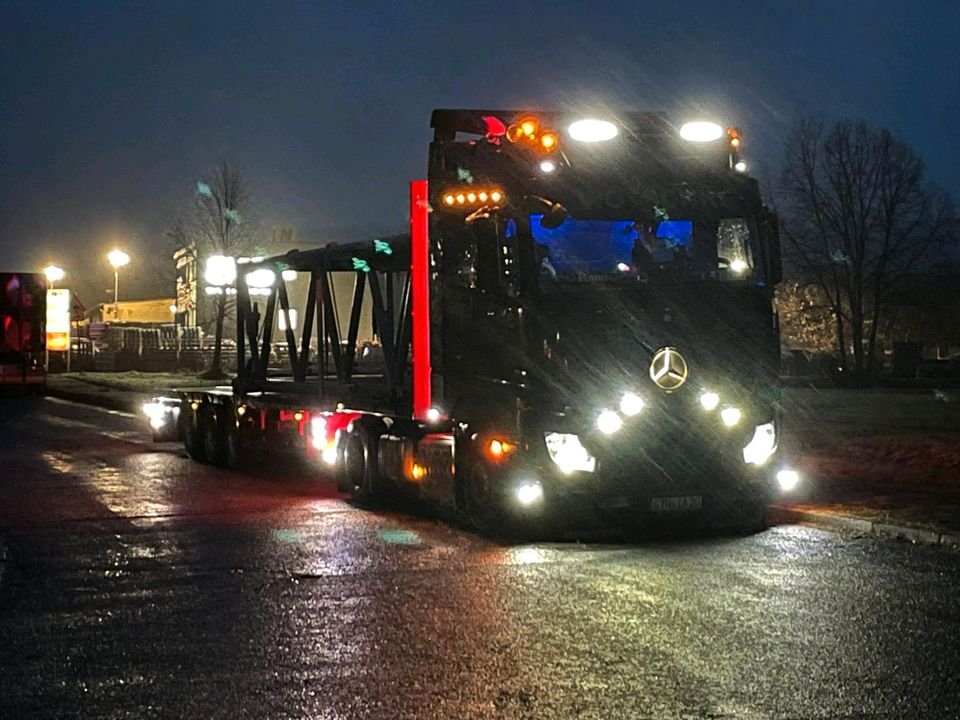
(192, 439)
(479, 500)
(359, 467)
(211, 432)
(234, 450)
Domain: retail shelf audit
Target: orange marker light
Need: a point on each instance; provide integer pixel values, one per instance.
(483, 196)
(471, 197)
(548, 140)
(448, 199)
(496, 196)
(418, 472)
(735, 142)
(528, 127)
(461, 199)
(498, 448)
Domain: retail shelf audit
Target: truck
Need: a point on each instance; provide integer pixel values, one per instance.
(22, 337)
(579, 323)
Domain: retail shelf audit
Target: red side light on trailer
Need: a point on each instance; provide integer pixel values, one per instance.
(420, 286)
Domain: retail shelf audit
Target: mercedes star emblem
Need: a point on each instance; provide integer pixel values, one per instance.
(668, 369)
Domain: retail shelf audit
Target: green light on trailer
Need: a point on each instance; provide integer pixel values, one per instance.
(661, 213)
(381, 246)
(464, 175)
(359, 264)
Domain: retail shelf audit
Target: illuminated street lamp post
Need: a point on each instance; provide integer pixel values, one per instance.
(53, 274)
(117, 258)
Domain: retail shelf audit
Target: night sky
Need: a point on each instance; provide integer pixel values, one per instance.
(109, 112)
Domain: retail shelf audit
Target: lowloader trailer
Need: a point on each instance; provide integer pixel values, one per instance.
(579, 322)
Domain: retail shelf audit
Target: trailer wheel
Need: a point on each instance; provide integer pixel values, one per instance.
(192, 439)
(211, 432)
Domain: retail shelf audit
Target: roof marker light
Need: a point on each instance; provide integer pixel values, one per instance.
(592, 130)
(701, 131)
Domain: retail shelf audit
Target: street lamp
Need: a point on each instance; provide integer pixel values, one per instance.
(53, 274)
(117, 258)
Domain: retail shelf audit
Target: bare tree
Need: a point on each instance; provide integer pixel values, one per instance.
(859, 218)
(221, 225)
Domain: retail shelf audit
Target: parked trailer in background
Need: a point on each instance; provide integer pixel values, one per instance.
(22, 341)
(579, 322)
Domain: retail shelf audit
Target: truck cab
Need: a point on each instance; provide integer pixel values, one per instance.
(602, 307)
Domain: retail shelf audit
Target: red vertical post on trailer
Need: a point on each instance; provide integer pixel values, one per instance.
(420, 285)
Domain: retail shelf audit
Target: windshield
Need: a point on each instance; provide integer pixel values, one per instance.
(581, 250)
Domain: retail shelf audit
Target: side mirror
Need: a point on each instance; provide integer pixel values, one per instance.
(554, 214)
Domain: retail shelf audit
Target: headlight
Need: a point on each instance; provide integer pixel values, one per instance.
(709, 401)
(762, 446)
(631, 404)
(528, 493)
(568, 454)
(788, 479)
(730, 416)
(608, 422)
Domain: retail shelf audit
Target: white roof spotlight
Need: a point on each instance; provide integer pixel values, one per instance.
(701, 131)
(591, 130)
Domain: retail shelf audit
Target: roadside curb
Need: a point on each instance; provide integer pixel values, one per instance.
(867, 527)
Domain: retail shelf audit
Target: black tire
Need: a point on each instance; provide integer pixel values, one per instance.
(234, 446)
(358, 465)
(192, 439)
(480, 504)
(211, 431)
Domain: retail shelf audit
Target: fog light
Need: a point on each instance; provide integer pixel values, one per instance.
(709, 401)
(788, 479)
(608, 422)
(730, 416)
(631, 404)
(329, 455)
(529, 493)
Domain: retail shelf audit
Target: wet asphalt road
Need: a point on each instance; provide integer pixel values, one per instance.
(138, 585)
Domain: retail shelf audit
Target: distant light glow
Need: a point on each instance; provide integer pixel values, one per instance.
(740, 166)
(701, 131)
(262, 278)
(289, 275)
(433, 415)
(738, 266)
(591, 130)
(548, 166)
(623, 267)
(220, 270)
(54, 273)
(118, 258)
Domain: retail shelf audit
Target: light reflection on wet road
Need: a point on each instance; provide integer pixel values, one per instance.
(139, 584)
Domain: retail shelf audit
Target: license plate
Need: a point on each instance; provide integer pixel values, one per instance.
(677, 504)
